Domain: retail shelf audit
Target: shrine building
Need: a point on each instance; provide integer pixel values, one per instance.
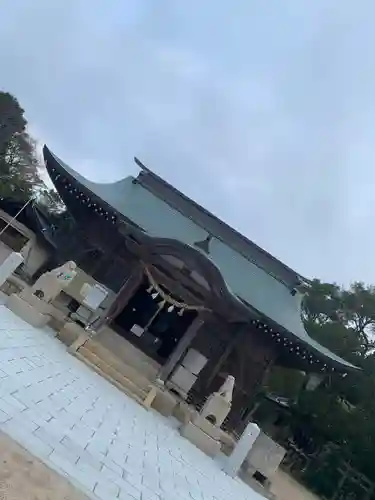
(183, 279)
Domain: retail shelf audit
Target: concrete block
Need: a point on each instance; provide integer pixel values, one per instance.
(164, 403)
(182, 380)
(9, 264)
(265, 456)
(228, 442)
(70, 333)
(35, 302)
(200, 439)
(184, 412)
(27, 312)
(194, 361)
(58, 314)
(206, 426)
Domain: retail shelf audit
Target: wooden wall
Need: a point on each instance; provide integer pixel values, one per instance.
(232, 350)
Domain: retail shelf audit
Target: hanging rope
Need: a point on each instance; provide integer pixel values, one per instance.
(167, 298)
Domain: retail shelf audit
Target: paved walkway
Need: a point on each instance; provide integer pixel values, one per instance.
(84, 428)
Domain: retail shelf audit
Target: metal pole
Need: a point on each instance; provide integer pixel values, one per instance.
(17, 214)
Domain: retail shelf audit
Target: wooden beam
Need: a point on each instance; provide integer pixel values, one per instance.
(174, 286)
(181, 347)
(187, 285)
(186, 281)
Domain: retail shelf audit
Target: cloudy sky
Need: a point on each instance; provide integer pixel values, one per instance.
(262, 111)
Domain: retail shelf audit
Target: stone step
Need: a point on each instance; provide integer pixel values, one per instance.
(128, 353)
(111, 374)
(118, 364)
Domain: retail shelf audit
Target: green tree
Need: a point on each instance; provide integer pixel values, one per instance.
(322, 303)
(12, 120)
(358, 308)
(51, 201)
(342, 409)
(18, 162)
(284, 382)
(342, 320)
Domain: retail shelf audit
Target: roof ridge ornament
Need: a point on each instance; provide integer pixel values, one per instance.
(204, 244)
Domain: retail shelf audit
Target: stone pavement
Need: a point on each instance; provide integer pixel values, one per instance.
(84, 428)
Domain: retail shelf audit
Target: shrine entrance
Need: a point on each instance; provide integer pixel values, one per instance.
(152, 324)
(160, 308)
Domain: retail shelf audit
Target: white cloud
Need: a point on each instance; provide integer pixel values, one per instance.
(263, 113)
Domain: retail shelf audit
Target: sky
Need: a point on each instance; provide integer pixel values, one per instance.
(261, 111)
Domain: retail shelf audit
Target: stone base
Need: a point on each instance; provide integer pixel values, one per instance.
(81, 339)
(227, 442)
(38, 304)
(58, 314)
(164, 403)
(49, 285)
(70, 332)
(200, 439)
(55, 325)
(265, 456)
(147, 402)
(206, 426)
(184, 412)
(181, 381)
(27, 312)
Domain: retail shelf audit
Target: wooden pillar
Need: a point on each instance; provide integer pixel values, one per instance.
(236, 338)
(121, 299)
(181, 347)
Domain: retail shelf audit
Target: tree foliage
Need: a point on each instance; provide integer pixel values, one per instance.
(342, 409)
(12, 120)
(52, 202)
(19, 167)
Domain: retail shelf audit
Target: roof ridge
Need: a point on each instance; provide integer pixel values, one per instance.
(244, 239)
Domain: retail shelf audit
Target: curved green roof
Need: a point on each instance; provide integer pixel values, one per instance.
(245, 280)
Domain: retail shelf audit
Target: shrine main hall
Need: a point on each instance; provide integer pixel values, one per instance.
(185, 284)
